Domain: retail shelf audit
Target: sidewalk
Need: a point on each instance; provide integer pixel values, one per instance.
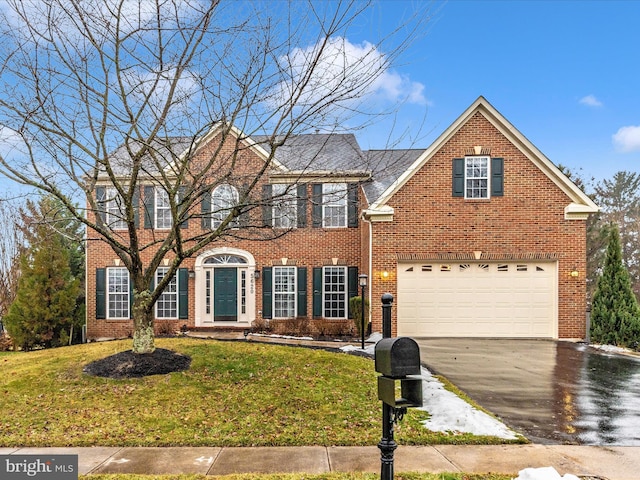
(611, 463)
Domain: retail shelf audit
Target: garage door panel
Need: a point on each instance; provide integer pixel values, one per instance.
(516, 299)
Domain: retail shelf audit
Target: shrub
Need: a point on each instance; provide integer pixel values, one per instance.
(355, 307)
(6, 344)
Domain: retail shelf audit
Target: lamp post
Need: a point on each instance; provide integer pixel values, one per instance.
(362, 281)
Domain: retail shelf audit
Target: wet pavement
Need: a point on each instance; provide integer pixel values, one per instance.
(551, 392)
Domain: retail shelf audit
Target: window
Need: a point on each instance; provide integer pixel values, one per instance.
(285, 206)
(167, 303)
(479, 177)
(334, 205)
(334, 292)
(115, 210)
(476, 177)
(223, 199)
(163, 209)
(284, 292)
(118, 292)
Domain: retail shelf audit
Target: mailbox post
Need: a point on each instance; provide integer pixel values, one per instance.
(397, 360)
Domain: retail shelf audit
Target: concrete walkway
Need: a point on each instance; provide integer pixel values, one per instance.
(611, 463)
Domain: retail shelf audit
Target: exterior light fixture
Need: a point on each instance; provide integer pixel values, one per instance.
(384, 275)
(256, 274)
(574, 273)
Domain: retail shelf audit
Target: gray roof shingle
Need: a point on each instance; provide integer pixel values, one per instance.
(326, 153)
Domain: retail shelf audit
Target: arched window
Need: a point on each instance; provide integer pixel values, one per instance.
(223, 199)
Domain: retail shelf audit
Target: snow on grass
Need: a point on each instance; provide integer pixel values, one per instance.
(448, 412)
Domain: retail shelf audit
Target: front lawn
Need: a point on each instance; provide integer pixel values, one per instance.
(234, 394)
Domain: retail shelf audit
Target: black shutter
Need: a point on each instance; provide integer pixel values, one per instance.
(101, 198)
(183, 293)
(131, 295)
(316, 206)
(135, 200)
(205, 205)
(179, 200)
(317, 292)
(267, 292)
(352, 204)
(101, 293)
(352, 285)
(302, 206)
(149, 206)
(497, 177)
(458, 177)
(301, 291)
(267, 212)
(242, 220)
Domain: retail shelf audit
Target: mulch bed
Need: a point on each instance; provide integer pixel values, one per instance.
(133, 365)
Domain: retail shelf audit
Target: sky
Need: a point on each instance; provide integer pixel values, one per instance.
(566, 74)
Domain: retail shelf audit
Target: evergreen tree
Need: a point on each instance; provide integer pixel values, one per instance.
(615, 313)
(49, 305)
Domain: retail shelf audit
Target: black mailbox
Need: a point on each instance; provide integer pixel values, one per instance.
(398, 359)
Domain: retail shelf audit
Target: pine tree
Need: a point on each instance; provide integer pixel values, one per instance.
(49, 300)
(615, 313)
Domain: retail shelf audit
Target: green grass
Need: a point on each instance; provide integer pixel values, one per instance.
(234, 394)
(294, 476)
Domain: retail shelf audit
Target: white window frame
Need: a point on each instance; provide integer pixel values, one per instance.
(223, 198)
(335, 294)
(284, 213)
(162, 205)
(285, 302)
(114, 214)
(169, 296)
(334, 205)
(118, 291)
(477, 178)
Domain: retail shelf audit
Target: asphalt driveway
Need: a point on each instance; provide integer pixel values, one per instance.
(551, 392)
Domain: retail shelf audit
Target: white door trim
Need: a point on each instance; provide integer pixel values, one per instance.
(203, 319)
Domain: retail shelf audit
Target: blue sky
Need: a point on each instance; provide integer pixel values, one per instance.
(566, 74)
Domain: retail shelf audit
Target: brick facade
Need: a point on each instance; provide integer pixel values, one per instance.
(528, 220)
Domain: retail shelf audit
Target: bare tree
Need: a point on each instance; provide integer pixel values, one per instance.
(619, 198)
(97, 94)
(11, 245)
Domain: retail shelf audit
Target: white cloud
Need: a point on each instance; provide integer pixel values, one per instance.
(61, 20)
(627, 139)
(347, 72)
(11, 143)
(590, 101)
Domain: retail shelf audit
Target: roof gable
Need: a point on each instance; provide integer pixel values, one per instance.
(579, 207)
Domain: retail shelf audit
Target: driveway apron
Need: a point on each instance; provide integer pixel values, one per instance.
(551, 392)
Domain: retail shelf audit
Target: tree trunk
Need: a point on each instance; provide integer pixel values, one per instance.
(143, 334)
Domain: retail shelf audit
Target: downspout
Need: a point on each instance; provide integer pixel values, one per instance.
(370, 267)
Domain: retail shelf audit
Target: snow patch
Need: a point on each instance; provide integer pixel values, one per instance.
(543, 473)
(448, 412)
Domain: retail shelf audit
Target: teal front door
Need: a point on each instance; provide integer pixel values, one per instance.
(225, 294)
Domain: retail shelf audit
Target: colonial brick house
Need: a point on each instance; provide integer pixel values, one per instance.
(478, 235)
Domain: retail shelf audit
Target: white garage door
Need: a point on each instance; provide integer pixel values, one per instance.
(455, 299)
